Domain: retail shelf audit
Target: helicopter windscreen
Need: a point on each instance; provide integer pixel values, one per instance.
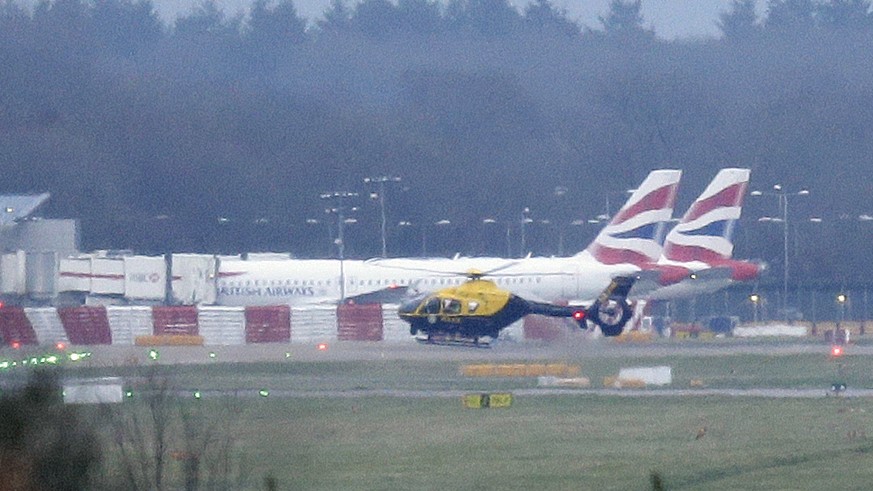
(411, 305)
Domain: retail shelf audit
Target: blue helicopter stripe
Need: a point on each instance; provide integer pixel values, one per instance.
(714, 229)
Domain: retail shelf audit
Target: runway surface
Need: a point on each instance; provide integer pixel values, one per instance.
(571, 352)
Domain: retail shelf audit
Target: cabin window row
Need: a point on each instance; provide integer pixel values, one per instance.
(351, 282)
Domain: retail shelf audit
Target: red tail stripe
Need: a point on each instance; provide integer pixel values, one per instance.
(608, 255)
(729, 196)
(658, 199)
(682, 253)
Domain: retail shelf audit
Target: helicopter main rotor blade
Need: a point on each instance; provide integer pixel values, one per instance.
(469, 273)
(451, 272)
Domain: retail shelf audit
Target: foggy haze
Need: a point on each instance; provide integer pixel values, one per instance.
(219, 136)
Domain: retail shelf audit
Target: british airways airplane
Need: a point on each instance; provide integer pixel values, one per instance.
(631, 242)
(702, 242)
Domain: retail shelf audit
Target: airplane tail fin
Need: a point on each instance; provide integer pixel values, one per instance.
(705, 232)
(635, 234)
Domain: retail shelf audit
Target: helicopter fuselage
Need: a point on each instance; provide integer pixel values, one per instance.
(480, 308)
(476, 308)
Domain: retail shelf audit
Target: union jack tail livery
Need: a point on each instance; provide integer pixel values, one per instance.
(705, 232)
(635, 234)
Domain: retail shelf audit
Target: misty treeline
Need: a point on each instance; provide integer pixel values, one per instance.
(217, 133)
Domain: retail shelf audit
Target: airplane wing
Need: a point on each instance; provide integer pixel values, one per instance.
(389, 295)
(646, 282)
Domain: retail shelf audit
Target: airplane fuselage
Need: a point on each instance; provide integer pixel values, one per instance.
(310, 282)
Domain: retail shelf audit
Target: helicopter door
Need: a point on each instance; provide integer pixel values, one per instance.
(452, 306)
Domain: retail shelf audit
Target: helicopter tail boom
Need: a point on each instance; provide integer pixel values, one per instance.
(611, 311)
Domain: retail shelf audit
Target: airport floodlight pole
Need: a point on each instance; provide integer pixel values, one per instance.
(546, 223)
(525, 219)
(408, 225)
(316, 222)
(439, 223)
(489, 222)
(755, 299)
(560, 192)
(783, 195)
(606, 217)
(339, 208)
(842, 298)
(509, 240)
(508, 235)
(381, 180)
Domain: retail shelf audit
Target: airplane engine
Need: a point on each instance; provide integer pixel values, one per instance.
(745, 270)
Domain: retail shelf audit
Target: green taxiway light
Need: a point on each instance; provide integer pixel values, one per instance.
(264, 392)
(128, 393)
(153, 354)
(4, 365)
(196, 394)
(212, 354)
(287, 354)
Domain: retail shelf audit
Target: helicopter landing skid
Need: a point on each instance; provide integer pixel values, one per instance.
(439, 340)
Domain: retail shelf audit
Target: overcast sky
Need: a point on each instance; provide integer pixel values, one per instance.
(670, 18)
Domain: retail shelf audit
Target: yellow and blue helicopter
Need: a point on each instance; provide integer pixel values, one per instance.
(464, 314)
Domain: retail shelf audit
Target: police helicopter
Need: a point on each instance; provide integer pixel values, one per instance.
(478, 308)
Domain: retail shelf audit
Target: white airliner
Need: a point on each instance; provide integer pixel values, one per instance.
(629, 243)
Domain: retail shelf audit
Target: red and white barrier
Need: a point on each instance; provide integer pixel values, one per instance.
(224, 326)
(313, 325)
(359, 322)
(15, 327)
(47, 325)
(268, 324)
(122, 325)
(127, 323)
(86, 325)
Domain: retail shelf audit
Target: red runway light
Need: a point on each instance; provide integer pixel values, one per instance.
(837, 351)
(16, 345)
(61, 346)
(322, 346)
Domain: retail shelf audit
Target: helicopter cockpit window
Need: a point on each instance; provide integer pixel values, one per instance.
(432, 306)
(472, 305)
(451, 306)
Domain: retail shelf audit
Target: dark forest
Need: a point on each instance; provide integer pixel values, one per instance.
(218, 134)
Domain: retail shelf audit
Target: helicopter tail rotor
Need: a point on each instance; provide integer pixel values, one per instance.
(612, 311)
